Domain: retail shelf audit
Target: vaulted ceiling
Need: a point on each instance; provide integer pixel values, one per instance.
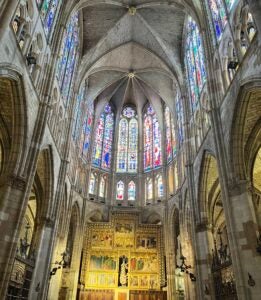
(122, 39)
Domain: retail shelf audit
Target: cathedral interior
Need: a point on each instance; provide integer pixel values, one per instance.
(130, 149)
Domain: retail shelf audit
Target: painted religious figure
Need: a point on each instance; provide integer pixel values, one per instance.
(124, 272)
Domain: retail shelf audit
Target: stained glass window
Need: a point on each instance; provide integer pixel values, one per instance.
(92, 184)
(149, 189)
(219, 17)
(229, 4)
(48, 10)
(133, 146)
(131, 191)
(122, 146)
(78, 113)
(171, 147)
(87, 130)
(194, 61)
(160, 186)
(98, 142)
(102, 187)
(68, 57)
(152, 140)
(147, 142)
(171, 180)
(103, 139)
(127, 142)
(120, 190)
(107, 142)
(180, 117)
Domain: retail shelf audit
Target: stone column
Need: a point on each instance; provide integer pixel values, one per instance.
(244, 230)
(170, 258)
(203, 259)
(6, 16)
(13, 195)
(41, 271)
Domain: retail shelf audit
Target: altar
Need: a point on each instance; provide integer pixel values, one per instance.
(123, 259)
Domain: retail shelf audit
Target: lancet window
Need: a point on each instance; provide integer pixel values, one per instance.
(131, 191)
(48, 10)
(194, 61)
(102, 154)
(120, 190)
(152, 140)
(171, 145)
(69, 54)
(128, 142)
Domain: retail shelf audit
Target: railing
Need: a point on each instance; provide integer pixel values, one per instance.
(223, 276)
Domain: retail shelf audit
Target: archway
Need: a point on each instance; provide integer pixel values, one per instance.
(221, 282)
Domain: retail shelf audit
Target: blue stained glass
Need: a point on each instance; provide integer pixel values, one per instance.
(87, 129)
(68, 57)
(127, 142)
(218, 16)
(96, 160)
(78, 113)
(194, 61)
(122, 146)
(48, 10)
(133, 146)
(160, 187)
(103, 140)
(180, 118)
(107, 142)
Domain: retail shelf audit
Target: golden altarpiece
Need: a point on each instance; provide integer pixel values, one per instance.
(123, 259)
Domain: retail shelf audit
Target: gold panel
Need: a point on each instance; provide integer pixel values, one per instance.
(123, 254)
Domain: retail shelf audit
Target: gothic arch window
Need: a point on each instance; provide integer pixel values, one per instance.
(149, 190)
(128, 142)
(194, 61)
(152, 140)
(171, 180)
(160, 188)
(87, 130)
(180, 118)
(78, 113)
(92, 184)
(120, 190)
(48, 10)
(102, 154)
(171, 145)
(219, 17)
(102, 187)
(131, 191)
(122, 146)
(69, 54)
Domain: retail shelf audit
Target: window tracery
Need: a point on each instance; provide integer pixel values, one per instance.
(131, 191)
(103, 140)
(92, 184)
(68, 57)
(152, 140)
(127, 142)
(48, 10)
(120, 190)
(194, 62)
(171, 145)
(102, 187)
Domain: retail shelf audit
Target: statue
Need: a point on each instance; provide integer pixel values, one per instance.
(123, 272)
